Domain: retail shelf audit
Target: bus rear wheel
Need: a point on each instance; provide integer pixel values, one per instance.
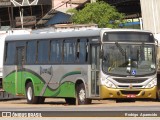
(31, 99)
(81, 95)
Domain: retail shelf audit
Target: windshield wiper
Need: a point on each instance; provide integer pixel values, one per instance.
(120, 49)
(142, 51)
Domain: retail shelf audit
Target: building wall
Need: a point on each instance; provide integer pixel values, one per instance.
(151, 15)
(63, 5)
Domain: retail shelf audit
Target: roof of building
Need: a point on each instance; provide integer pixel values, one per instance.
(44, 12)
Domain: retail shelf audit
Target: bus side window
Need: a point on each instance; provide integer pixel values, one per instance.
(6, 50)
(69, 51)
(31, 52)
(43, 51)
(10, 53)
(56, 51)
(83, 51)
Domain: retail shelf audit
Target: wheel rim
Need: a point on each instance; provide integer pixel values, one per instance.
(29, 93)
(82, 95)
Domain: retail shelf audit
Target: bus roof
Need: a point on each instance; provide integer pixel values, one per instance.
(125, 30)
(74, 33)
(67, 34)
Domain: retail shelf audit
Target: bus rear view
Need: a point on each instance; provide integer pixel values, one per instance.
(128, 65)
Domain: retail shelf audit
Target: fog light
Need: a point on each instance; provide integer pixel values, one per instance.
(118, 93)
(149, 95)
(110, 94)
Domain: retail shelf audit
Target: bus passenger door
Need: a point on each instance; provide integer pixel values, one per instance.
(19, 75)
(95, 66)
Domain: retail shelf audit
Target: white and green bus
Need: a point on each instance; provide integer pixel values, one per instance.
(81, 65)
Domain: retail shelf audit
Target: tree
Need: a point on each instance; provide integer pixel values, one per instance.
(100, 13)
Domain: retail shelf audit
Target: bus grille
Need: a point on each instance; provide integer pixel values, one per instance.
(120, 80)
(127, 86)
(130, 92)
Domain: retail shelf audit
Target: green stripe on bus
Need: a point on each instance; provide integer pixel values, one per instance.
(65, 89)
(69, 74)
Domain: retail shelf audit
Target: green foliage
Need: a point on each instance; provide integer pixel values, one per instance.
(99, 13)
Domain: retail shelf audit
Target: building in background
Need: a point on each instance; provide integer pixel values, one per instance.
(151, 15)
(58, 14)
(33, 13)
(131, 9)
(42, 13)
(12, 12)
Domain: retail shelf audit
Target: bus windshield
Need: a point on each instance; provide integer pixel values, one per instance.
(128, 59)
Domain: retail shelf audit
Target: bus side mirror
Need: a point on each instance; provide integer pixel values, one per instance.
(156, 42)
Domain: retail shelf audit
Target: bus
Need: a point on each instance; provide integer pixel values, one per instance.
(81, 65)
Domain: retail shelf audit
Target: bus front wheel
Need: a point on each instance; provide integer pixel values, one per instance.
(70, 101)
(158, 95)
(81, 95)
(31, 99)
(41, 100)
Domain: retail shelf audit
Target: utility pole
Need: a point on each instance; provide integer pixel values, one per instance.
(52, 3)
(9, 14)
(12, 18)
(21, 17)
(71, 4)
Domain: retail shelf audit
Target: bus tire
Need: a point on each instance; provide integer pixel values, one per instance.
(124, 100)
(31, 99)
(81, 95)
(41, 100)
(70, 101)
(158, 95)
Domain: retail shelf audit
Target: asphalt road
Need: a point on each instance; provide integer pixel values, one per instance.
(103, 108)
(52, 104)
(98, 110)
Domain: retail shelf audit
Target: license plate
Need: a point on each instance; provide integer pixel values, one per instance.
(131, 96)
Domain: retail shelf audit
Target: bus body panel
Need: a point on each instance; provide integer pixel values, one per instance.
(130, 93)
(48, 80)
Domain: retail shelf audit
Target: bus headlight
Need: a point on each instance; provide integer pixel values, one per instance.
(152, 83)
(110, 84)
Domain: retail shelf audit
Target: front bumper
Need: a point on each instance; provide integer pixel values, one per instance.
(127, 93)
